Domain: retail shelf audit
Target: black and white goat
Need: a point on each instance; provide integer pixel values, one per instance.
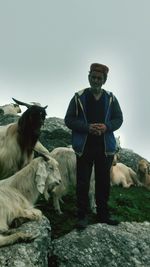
(18, 140)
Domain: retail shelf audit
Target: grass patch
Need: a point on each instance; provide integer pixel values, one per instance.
(132, 204)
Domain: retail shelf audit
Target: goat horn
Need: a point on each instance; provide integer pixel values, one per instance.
(45, 107)
(22, 103)
(25, 104)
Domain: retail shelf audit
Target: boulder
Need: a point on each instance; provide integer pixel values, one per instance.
(102, 245)
(129, 158)
(33, 254)
(7, 118)
(54, 123)
(56, 138)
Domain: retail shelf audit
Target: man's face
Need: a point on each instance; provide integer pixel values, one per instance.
(96, 80)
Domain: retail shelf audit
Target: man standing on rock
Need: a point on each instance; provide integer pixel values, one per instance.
(93, 114)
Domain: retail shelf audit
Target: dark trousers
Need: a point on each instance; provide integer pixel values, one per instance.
(102, 164)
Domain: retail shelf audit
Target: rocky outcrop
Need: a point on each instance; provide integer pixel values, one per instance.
(56, 138)
(6, 119)
(34, 254)
(129, 158)
(54, 123)
(99, 245)
(54, 133)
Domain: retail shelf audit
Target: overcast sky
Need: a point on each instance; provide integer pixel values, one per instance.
(46, 48)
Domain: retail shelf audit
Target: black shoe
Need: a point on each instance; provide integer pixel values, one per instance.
(82, 224)
(108, 221)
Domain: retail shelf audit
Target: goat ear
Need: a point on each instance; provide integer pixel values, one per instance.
(41, 176)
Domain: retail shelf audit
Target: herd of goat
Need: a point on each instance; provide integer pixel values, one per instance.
(23, 177)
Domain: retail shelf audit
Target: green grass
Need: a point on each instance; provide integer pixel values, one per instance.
(132, 204)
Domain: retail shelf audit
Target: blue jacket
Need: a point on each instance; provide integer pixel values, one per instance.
(76, 120)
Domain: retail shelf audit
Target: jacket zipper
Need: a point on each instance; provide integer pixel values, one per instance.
(85, 121)
(107, 153)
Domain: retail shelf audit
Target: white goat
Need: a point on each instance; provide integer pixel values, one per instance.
(120, 174)
(12, 109)
(67, 166)
(19, 193)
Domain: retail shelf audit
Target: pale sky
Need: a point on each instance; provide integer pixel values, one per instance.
(46, 49)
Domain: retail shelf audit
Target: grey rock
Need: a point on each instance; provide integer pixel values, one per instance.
(6, 119)
(56, 138)
(129, 158)
(35, 253)
(54, 123)
(101, 245)
(54, 133)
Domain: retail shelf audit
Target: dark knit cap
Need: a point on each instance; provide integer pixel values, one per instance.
(99, 68)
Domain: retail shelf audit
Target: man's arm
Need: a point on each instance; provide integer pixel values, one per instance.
(116, 119)
(71, 119)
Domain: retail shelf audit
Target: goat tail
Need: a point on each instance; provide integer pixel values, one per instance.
(9, 239)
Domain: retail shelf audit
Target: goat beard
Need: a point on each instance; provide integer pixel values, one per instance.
(28, 133)
(28, 139)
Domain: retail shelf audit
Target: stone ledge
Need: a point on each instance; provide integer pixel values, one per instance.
(33, 254)
(103, 245)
